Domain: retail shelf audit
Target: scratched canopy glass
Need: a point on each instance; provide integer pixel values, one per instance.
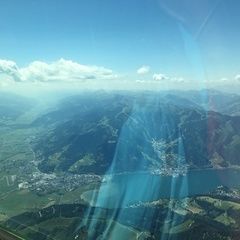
(119, 120)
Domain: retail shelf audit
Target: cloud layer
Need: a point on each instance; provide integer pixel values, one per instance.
(237, 77)
(61, 70)
(9, 70)
(159, 77)
(143, 70)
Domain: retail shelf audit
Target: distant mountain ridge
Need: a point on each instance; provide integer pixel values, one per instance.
(135, 131)
(13, 105)
(213, 100)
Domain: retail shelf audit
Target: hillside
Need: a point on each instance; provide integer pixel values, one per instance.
(131, 132)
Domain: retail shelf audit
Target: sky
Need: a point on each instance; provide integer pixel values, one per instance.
(165, 43)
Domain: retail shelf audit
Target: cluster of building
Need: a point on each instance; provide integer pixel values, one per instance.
(46, 183)
(226, 192)
(171, 171)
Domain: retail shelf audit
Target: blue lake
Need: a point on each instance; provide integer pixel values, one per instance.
(125, 189)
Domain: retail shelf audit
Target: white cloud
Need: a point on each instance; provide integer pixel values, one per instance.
(9, 70)
(170, 80)
(224, 79)
(61, 70)
(143, 70)
(140, 81)
(159, 77)
(178, 80)
(237, 77)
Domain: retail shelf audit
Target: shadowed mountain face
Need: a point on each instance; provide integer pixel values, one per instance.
(130, 132)
(104, 133)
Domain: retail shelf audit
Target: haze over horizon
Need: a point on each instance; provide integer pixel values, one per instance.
(120, 120)
(156, 45)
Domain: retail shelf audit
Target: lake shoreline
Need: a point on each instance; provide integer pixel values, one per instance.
(144, 186)
(187, 171)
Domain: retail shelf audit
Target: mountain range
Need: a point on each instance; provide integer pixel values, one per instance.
(125, 131)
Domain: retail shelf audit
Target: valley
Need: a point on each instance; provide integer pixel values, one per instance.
(139, 165)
